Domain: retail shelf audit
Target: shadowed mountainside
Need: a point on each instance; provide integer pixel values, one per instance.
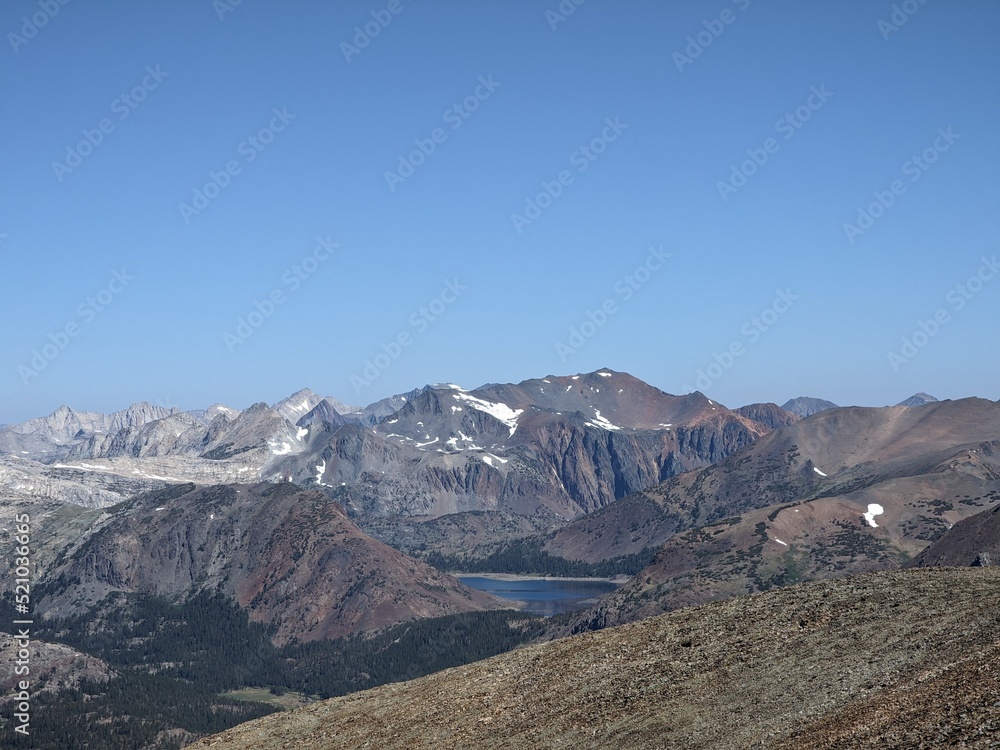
(972, 542)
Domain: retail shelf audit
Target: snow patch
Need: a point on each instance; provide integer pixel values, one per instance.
(780, 542)
(94, 467)
(499, 411)
(282, 449)
(604, 374)
(159, 478)
(874, 509)
(601, 422)
(303, 431)
(422, 445)
(818, 472)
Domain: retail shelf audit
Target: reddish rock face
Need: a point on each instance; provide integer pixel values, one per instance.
(291, 557)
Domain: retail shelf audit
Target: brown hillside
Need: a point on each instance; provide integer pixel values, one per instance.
(887, 660)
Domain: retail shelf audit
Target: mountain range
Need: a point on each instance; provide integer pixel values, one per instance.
(320, 520)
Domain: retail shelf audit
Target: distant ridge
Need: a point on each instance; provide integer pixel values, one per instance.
(918, 399)
(805, 406)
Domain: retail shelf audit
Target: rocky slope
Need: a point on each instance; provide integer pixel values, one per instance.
(769, 415)
(53, 666)
(893, 480)
(972, 542)
(291, 557)
(899, 660)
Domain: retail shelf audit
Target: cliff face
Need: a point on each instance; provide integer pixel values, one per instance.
(558, 447)
(290, 557)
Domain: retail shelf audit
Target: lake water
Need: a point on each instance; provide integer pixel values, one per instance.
(543, 596)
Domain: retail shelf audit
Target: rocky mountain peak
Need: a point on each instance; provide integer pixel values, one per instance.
(918, 399)
(806, 406)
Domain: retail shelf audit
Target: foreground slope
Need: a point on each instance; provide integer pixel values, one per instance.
(888, 660)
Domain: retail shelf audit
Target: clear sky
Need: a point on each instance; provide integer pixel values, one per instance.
(478, 179)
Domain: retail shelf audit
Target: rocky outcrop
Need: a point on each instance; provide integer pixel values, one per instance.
(769, 415)
(323, 413)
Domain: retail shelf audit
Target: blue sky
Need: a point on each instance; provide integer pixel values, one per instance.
(758, 292)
